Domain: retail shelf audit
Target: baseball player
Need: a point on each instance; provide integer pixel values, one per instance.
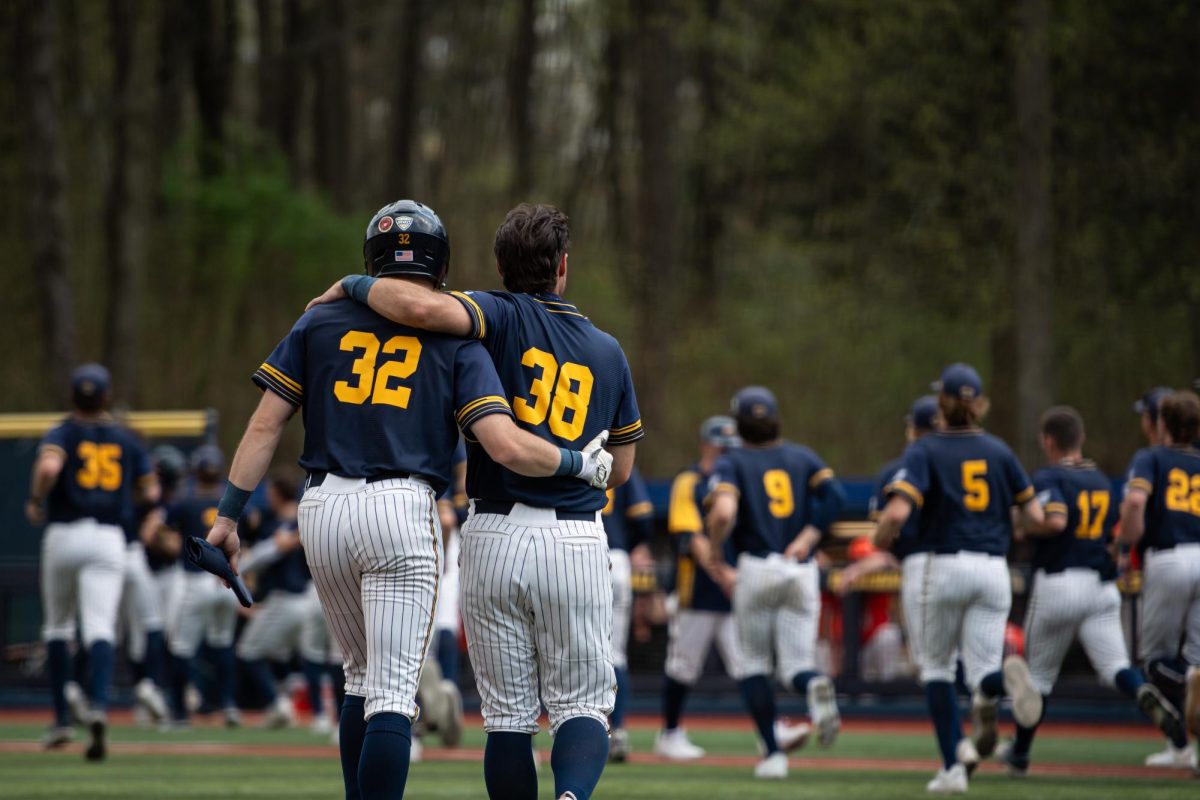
(1160, 516)
(537, 602)
(964, 482)
(382, 407)
(320, 656)
(775, 500)
(89, 474)
(1074, 593)
(627, 517)
(203, 612)
(142, 616)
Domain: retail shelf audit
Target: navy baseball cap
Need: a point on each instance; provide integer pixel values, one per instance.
(959, 380)
(89, 380)
(720, 431)
(923, 413)
(754, 402)
(1148, 403)
(208, 458)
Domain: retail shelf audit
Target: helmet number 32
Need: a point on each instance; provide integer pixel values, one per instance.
(561, 393)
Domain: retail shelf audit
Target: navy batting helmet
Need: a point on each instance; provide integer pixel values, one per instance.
(407, 238)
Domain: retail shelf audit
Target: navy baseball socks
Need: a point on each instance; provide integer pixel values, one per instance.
(447, 654)
(617, 719)
(509, 771)
(578, 757)
(383, 762)
(351, 730)
(947, 724)
(760, 702)
(674, 696)
(58, 665)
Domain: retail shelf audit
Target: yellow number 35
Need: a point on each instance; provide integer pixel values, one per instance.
(548, 398)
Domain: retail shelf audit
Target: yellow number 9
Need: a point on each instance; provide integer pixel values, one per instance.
(975, 488)
(779, 490)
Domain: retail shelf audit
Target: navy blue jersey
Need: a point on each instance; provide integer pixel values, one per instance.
(194, 515)
(776, 486)
(1084, 495)
(628, 513)
(909, 541)
(103, 464)
(567, 380)
(290, 573)
(965, 483)
(1171, 477)
(693, 587)
(377, 397)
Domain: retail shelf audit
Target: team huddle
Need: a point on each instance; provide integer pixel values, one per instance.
(365, 569)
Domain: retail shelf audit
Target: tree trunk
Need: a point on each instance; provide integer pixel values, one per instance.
(270, 70)
(520, 90)
(609, 113)
(213, 30)
(331, 109)
(170, 79)
(406, 100)
(1034, 279)
(48, 229)
(708, 218)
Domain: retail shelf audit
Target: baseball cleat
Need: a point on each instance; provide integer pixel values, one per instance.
(77, 702)
(822, 708)
(983, 724)
(416, 750)
(57, 737)
(1191, 705)
(791, 737)
(675, 746)
(451, 726)
(1152, 703)
(321, 726)
(1173, 758)
(949, 781)
(233, 717)
(96, 749)
(1017, 766)
(967, 755)
(772, 768)
(150, 700)
(281, 714)
(1026, 699)
(618, 746)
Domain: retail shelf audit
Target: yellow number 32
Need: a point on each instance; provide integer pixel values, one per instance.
(548, 398)
(374, 380)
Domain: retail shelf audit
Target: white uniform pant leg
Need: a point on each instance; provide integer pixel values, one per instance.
(274, 631)
(59, 587)
(95, 555)
(316, 644)
(757, 594)
(985, 620)
(967, 598)
(797, 621)
(728, 647)
(1191, 645)
(1166, 599)
(1101, 634)
(912, 600)
(448, 597)
(140, 609)
(621, 576)
(690, 634)
(1051, 623)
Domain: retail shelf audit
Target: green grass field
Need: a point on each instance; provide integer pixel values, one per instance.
(212, 762)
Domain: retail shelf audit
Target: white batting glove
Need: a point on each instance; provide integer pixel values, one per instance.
(597, 463)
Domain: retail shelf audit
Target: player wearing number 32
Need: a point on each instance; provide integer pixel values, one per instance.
(536, 597)
(382, 408)
(965, 481)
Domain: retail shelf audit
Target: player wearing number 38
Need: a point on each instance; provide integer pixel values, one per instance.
(382, 407)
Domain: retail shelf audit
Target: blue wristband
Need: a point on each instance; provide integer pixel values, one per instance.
(232, 502)
(358, 287)
(571, 462)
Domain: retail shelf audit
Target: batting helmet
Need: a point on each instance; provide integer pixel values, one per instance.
(208, 461)
(407, 238)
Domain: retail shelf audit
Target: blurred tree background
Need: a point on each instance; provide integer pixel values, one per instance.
(830, 197)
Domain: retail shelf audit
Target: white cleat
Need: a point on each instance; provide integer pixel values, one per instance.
(967, 755)
(618, 746)
(233, 717)
(321, 726)
(822, 707)
(1026, 699)
(949, 781)
(77, 702)
(58, 737)
(675, 746)
(984, 711)
(150, 700)
(281, 714)
(451, 725)
(1173, 758)
(416, 751)
(772, 768)
(791, 737)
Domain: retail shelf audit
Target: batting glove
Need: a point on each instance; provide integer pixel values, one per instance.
(597, 463)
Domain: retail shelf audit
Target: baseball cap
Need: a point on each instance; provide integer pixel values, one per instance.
(1148, 403)
(959, 380)
(755, 402)
(208, 458)
(923, 413)
(89, 380)
(720, 431)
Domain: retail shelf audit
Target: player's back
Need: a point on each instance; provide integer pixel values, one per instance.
(773, 484)
(1171, 476)
(694, 588)
(103, 462)
(568, 382)
(965, 482)
(1084, 494)
(194, 515)
(379, 399)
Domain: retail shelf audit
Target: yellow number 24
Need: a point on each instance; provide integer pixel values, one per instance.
(374, 380)
(554, 399)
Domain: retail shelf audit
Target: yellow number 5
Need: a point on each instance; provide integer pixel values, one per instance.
(364, 367)
(101, 466)
(556, 398)
(975, 488)
(779, 490)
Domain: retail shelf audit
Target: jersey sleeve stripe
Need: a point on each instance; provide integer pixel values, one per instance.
(626, 429)
(467, 418)
(283, 378)
(267, 381)
(1141, 483)
(1056, 508)
(723, 486)
(638, 510)
(49, 447)
(627, 438)
(492, 398)
(819, 477)
(1024, 497)
(908, 490)
(475, 311)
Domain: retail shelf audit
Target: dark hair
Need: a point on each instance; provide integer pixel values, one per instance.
(529, 245)
(89, 402)
(285, 484)
(1064, 426)
(1180, 413)
(962, 412)
(757, 430)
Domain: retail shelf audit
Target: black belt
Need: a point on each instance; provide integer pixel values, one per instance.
(492, 507)
(317, 477)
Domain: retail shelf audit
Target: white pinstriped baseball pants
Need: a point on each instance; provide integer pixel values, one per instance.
(1074, 602)
(776, 608)
(537, 606)
(967, 599)
(375, 553)
(692, 633)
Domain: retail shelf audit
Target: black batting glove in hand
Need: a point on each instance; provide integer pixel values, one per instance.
(597, 463)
